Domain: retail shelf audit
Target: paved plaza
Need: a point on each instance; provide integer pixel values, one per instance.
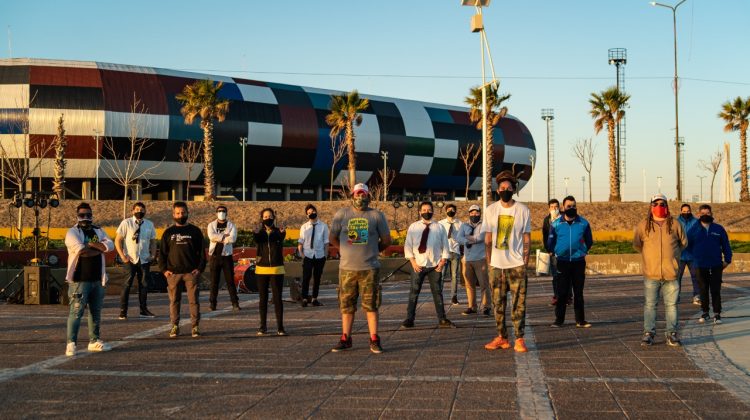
(425, 372)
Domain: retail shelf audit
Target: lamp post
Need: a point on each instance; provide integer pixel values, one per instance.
(548, 114)
(676, 89)
(583, 190)
(96, 138)
(566, 179)
(384, 155)
(243, 143)
(658, 184)
(701, 178)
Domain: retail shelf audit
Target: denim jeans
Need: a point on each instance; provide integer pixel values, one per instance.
(452, 268)
(84, 293)
(693, 275)
(436, 286)
(670, 291)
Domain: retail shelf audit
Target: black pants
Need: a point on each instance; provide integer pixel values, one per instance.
(436, 287)
(141, 272)
(571, 273)
(277, 286)
(217, 265)
(312, 267)
(709, 279)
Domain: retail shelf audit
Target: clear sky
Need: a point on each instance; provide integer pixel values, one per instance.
(547, 54)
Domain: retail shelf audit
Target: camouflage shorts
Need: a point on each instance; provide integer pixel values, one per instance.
(353, 284)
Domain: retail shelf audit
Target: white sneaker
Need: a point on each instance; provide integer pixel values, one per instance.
(70, 349)
(99, 345)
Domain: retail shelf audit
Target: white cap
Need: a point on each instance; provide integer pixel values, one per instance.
(360, 187)
(659, 196)
(475, 207)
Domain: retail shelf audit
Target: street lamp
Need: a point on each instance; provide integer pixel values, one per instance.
(676, 88)
(658, 184)
(548, 114)
(243, 143)
(96, 138)
(701, 178)
(566, 179)
(384, 155)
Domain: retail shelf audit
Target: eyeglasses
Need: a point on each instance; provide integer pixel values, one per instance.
(659, 204)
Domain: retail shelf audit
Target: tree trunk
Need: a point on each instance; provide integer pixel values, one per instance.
(590, 192)
(614, 184)
(490, 152)
(744, 193)
(468, 170)
(208, 160)
(352, 156)
(187, 193)
(125, 202)
(713, 177)
(330, 193)
(58, 184)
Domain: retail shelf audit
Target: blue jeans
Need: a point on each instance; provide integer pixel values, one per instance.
(453, 268)
(84, 293)
(670, 290)
(693, 275)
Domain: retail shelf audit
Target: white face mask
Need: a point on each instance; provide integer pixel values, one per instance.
(554, 213)
(221, 215)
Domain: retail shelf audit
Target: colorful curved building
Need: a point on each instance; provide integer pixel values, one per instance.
(288, 152)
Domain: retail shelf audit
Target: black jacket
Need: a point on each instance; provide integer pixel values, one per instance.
(181, 249)
(270, 247)
(545, 232)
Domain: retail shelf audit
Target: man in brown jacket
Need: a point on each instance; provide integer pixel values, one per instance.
(660, 239)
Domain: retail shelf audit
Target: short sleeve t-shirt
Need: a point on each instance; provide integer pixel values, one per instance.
(507, 226)
(89, 269)
(358, 233)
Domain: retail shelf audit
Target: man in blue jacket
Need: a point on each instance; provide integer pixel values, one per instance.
(708, 241)
(570, 239)
(687, 221)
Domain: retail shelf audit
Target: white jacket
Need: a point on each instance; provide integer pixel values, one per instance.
(74, 242)
(214, 236)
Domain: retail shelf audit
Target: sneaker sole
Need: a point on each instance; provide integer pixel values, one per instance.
(340, 350)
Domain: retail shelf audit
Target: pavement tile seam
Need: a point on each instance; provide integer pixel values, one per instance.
(533, 394)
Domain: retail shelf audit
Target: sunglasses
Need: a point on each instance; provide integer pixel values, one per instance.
(85, 215)
(660, 204)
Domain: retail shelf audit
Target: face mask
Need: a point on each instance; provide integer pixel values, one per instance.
(139, 215)
(222, 215)
(660, 212)
(706, 219)
(312, 216)
(475, 219)
(181, 220)
(427, 216)
(554, 213)
(268, 222)
(506, 195)
(571, 212)
(686, 216)
(84, 223)
(451, 213)
(361, 202)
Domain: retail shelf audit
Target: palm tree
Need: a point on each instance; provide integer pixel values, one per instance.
(345, 113)
(60, 144)
(735, 115)
(201, 99)
(608, 107)
(495, 112)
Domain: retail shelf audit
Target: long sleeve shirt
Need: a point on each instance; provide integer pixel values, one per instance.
(451, 230)
(181, 249)
(227, 237)
(707, 244)
(437, 244)
(472, 239)
(75, 241)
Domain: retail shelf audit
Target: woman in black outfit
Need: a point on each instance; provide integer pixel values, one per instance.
(269, 268)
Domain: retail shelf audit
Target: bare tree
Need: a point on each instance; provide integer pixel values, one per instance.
(190, 154)
(125, 168)
(469, 155)
(584, 150)
(60, 144)
(386, 178)
(712, 166)
(338, 148)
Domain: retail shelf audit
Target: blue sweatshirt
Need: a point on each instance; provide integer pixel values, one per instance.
(707, 245)
(572, 240)
(686, 226)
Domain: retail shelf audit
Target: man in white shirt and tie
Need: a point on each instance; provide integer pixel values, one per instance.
(313, 247)
(426, 247)
(136, 244)
(452, 226)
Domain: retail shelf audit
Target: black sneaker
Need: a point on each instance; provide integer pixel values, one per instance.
(648, 339)
(303, 302)
(704, 317)
(556, 324)
(584, 324)
(123, 315)
(408, 323)
(375, 345)
(454, 300)
(212, 307)
(281, 333)
(345, 343)
(145, 313)
(717, 319)
(673, 341)
(468, 311)
(316, 302)
(261, 332)
(487, 312)
(446, 323)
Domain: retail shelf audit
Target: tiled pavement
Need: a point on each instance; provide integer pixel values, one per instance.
(426, 372)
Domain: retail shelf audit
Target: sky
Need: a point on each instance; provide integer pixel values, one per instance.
(547, 54)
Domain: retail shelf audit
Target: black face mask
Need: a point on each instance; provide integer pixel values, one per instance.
(427, 216)
(312, 216)
(506, 195)
(571, 212)
(707, 219)
(475, 219)
(686, 216)
(268, 222)
(181, 220)
(451, 213)
(139, 215)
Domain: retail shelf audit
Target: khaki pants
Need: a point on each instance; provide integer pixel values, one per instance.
(475, 274)
(174, 283)
(503, 281)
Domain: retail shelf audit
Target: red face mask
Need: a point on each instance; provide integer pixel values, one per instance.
(660, 212)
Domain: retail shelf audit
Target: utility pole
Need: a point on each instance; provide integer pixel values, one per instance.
(96, 138)
(243, 143)
(384, 155)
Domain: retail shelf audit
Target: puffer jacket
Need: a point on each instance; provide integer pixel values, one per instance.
(660, 249)
(270, 247)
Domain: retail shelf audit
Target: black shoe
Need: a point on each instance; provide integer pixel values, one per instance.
(487, 312)
(648, 339)
(315, 302)
(281, 333)
(303, 303)
(673, 341)
(717, 319)
(408, 323)
(468, 311)
(584, 324)
(556, 324)
(446, 323)
(145, 313)
(212, 308)
(261, 332)
(123, 315)
(375, 345)
(345, 343)
(454, 300)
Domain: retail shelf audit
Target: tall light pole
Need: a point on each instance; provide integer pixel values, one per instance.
(96, 138)
(243, 143)
(548, 114)
(566, 179)
(676, 89)
(658, 184)
(701, 178)
(384, 155)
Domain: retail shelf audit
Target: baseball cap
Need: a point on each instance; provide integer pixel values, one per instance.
(475, 207)
(659, 196)
(360, 187)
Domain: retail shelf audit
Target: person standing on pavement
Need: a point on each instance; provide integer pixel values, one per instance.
(554, 214)
(427, 249)
(139, 238)
(474, 262)
(507, 229)
(660, 241)
(313, 247)
(570, 240)
(182, 259)
(686, 258)
(269, 269)
(86, 277)
(360, 233)
(451, 226)
(708, 241)
(222, 234)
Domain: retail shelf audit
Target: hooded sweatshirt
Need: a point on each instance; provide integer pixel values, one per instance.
(660, 249)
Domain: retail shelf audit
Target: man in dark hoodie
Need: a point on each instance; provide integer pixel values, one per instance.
(182, 259)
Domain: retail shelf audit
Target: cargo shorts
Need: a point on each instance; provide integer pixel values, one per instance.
(353, 284)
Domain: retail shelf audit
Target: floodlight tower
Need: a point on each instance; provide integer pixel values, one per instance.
(548, 115)
(619, 57)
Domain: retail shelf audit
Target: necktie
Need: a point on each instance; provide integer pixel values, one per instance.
(423, 242)
(450, 231)
(471, 234)
(312, 237)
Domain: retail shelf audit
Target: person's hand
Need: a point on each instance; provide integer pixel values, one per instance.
(97, 246)
(282, 229)
(416, 267)
(125, 259)
(724, 264)
(195, 272)
(440, 266)
(168, 273)
(257, 229)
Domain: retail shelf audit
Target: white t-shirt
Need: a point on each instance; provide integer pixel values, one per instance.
(507, 226)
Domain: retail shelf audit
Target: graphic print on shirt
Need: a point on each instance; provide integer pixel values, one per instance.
(504, 230)
(357, 231)
(180, 239)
